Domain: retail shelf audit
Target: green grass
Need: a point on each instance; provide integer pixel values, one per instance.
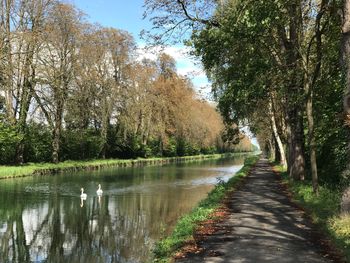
(50, 168)
(186, 225)
(324, 210)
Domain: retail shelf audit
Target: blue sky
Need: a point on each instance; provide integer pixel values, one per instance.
(121, 14)
(127, 15)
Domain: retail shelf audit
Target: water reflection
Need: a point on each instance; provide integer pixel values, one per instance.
(43, 219)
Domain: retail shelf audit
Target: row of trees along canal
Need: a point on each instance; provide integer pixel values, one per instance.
(278, 65)
(73, 90)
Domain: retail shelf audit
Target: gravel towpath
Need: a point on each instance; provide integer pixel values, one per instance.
(263, 226)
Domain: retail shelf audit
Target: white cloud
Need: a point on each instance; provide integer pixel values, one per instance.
(186, 65)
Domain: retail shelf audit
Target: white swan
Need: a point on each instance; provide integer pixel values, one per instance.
(99, 191)
(83, 195)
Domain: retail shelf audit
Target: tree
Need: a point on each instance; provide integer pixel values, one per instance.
(112, 77)
(22, 26)
(57, 61)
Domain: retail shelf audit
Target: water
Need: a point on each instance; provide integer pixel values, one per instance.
(43, 219)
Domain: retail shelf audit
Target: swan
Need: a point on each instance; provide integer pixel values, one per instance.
(99, 191)
(83, 195)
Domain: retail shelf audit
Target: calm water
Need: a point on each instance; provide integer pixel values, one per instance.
(43, 219)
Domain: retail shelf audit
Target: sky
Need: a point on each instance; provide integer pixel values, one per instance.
(127, 15)
(121, 14)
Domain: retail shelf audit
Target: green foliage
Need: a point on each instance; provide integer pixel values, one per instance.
(134, 145)
(209, 150)
(341, 227)
(170, 148)
(233, 56)
(324, 210)
(154, 145)
(38, 143)
(186, 225)
(9, 139)
(245, 61)
(184, 148)
(331, 136)
(146, 151)
(80, 145)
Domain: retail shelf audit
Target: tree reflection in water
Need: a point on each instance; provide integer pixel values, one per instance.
(109, 228)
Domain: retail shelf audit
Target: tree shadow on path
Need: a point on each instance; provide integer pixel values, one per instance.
(263, 225)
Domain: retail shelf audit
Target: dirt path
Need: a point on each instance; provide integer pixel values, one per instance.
(263, 226)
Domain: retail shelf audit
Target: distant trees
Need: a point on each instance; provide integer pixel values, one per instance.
(72, 90)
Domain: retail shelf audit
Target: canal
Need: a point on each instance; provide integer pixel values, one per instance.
(43, 219)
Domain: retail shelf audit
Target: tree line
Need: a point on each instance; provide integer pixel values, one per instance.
(280, 66)
(73, 90)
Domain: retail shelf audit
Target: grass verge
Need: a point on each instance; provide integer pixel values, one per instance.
(186, 225)
(71, 166)
(324, 210)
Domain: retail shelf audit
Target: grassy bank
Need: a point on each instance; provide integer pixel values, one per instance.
(71, 166)
(185, 227)
(323, 209)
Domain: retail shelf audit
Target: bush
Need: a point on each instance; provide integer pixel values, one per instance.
(170, 148)
(38, 143)
(9, 139)
(80, 145)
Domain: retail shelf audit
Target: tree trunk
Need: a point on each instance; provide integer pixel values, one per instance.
(312, 141)
(309, 88)
(346, 57)
(104, 141)
(22, 121)
(345, 54)
(289, 148)
(147, 131)
(57, 131)
(270, 149)
(104, 130)
(9, 69)
(276, 135)
(297, 169)
(26, 97)
(295, 91)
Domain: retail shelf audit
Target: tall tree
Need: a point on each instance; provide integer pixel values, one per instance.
(22, 25)
(118, 47)
(58, 57)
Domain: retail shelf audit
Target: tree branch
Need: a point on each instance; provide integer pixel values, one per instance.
(196, 19)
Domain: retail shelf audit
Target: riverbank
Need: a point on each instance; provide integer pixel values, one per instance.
(323, 209)
(32, 169)
(185, 227)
